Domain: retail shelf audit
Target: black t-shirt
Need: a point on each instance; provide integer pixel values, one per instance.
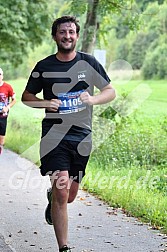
(66, 81)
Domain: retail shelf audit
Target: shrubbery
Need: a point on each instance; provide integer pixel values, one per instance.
(147, 49)
(155, 64)
(132, 144)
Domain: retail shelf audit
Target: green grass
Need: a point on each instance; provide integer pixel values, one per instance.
(134, 190)
(24, 125)
(129, 168)
(156, 103)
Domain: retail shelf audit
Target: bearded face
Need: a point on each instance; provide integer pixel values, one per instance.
(66, 37)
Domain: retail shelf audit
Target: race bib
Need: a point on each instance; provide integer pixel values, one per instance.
(2, 104)
(3, 101)
(71, 102)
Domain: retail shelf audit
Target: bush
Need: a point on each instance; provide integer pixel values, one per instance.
(155, 64)
(134, 144)
(123, 51)
(139, 48)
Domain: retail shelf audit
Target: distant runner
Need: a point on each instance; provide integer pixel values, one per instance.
(7, 100)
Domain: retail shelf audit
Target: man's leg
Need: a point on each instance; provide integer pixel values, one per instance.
(63, 191)
(3, 125)
(2, 141)
(74, 186)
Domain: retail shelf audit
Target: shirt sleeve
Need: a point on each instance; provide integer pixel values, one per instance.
(11, 92)
(34, 84)
(100, 77)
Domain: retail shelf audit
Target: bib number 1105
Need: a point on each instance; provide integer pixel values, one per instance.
(72, 102)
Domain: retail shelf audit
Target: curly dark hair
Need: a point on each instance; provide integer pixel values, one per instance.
(64, 19)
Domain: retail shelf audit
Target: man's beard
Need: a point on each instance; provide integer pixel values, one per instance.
(66, 50)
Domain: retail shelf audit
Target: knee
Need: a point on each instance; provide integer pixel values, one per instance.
(60, 195)
(73, 191)
(72, 195)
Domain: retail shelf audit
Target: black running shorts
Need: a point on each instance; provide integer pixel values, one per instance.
(65, 157)
(3, 125)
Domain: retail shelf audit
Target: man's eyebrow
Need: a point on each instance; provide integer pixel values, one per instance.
(62, 29)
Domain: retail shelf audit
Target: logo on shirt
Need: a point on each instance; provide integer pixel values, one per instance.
(81, 76)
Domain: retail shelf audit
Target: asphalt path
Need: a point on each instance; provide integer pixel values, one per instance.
(93, 225)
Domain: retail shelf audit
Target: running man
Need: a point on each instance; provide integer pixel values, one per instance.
(67, 80)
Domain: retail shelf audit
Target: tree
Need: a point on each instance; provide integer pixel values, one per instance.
(23, 24)
(154, 24)
(139, 48)
(96, 11)
(123, 50)
(90, 27)
(144, 3)
(156, 61)
(154, 65)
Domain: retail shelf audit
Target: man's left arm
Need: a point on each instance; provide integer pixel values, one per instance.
(13, 101)
(7, 108)
(106, 95)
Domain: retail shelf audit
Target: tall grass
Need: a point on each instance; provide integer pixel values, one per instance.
(129, 170)
(135, 190)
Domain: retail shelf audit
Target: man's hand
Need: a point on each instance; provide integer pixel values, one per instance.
(53, 105)
(5, 109)
(31, 100)
(87, 98)
(107, 94)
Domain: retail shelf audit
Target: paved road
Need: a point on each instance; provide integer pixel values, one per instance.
(93, 225)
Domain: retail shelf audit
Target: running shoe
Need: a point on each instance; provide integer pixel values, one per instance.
(65, 249)
(48, 216)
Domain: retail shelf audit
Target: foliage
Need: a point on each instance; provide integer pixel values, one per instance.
(23, 24)
(116, 27)
(139, 47)
(144, 3)
(34, 51)
(98, 11)
(155, 65)
(133, 145)
(122, 51)
(155, 17)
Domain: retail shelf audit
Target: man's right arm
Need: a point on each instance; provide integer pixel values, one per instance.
(33, 101)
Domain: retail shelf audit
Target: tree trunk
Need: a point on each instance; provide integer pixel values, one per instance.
(90, 27)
